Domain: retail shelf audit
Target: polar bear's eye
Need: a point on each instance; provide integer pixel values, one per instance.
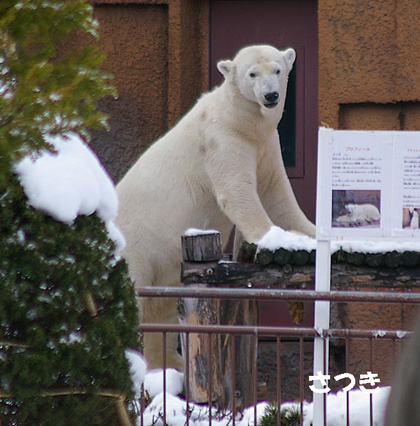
(278, 72)
(252, 75)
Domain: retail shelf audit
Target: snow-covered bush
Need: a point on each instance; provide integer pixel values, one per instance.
(67, 313)
(67, 305)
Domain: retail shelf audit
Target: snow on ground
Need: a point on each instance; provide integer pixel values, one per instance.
(70, 183)
(176, 406)
(176, 409)
(359, 406)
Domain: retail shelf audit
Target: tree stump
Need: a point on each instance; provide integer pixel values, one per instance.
(220, 363)
(201, 246)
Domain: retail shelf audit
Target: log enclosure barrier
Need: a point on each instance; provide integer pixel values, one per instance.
(210, 361)
(282, 269)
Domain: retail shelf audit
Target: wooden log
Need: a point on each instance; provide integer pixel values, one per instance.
(205, 358)
(282, 256)
(300, 257)
(210, 357)
(265, 257)
(244, 312)
(411, 258)
(247, 252)
(374, 259)
(209, 360)
(343, 275)
(312, 257)
(203, 247)
(392, 259)
(235, 274)
(340, 256)
(355, 258)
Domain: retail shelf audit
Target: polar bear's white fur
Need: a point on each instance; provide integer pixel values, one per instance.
(220, 166)
(414, 221)
(360, 213)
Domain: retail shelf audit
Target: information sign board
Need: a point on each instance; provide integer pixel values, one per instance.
(368, 184)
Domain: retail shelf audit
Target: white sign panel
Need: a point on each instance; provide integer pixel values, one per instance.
(368, 184)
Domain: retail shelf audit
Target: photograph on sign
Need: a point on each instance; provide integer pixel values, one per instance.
(356, 208)
(410, 218)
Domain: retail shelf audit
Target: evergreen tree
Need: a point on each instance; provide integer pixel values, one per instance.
(41, 89)
(67, 305)
(67, 313)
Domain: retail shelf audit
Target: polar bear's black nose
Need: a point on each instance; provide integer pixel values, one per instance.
(271, 97)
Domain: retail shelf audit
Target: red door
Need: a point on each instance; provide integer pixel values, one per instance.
(282, 23)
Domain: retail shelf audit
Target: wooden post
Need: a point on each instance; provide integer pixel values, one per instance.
(211, 358)
(202, 246)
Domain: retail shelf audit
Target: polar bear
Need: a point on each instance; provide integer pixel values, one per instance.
(414, 221)
(360, 213)
(220, 166)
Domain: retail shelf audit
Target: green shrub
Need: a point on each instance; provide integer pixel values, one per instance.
(289, 416)
(50, 342)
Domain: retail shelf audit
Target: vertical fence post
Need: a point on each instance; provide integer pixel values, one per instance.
(321, 322)
(214, 367)
(202, 360)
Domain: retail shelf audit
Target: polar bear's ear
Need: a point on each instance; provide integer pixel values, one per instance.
(289, 57)
(226, 68)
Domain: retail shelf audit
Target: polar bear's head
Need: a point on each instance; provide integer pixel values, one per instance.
(350, 208)
(260, 73)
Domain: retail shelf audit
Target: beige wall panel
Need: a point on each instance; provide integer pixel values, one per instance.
(407, 17)
(369, 53)
(134, 40)
(158, 52)
(188, 55)
(370, 117)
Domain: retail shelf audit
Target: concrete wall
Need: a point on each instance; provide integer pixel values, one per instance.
(157, 50)
(368, 64)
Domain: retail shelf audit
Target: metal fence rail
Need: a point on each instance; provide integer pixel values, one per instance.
(277, 294)
(302, 336)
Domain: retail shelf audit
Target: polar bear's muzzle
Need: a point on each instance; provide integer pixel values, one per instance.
(272, 99)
